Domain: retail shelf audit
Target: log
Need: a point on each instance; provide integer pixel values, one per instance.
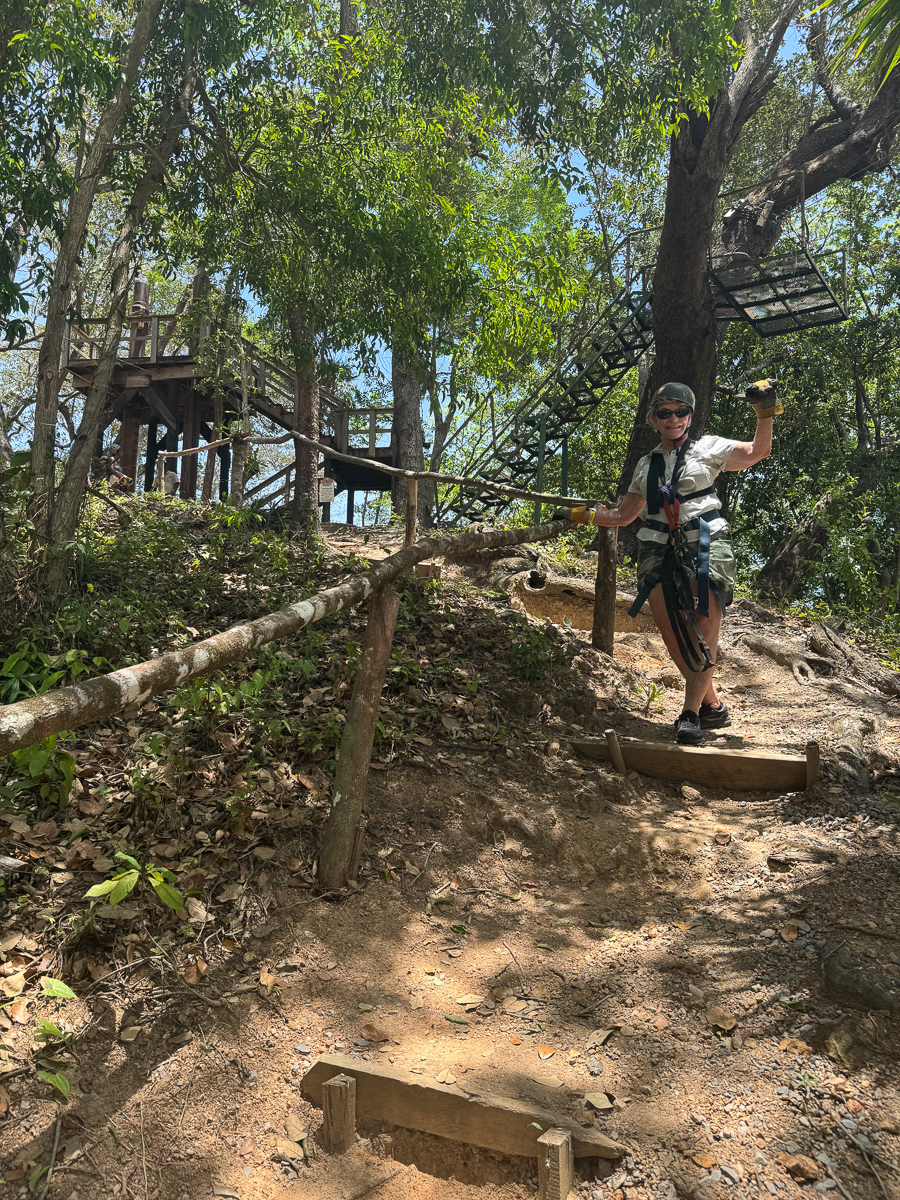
(739, 770)
(556, 1165)
(339, 1114)
(848, 659)
(412, 500)
(496, 1123)
(615, 751)
(9, 866)
(847, 735)
(604, 623)
(29, 721)
(351, 776)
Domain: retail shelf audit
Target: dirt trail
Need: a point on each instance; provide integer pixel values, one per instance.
(654, 943)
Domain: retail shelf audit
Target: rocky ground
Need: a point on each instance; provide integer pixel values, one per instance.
(711, 978)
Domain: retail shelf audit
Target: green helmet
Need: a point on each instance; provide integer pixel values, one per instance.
(675, 393)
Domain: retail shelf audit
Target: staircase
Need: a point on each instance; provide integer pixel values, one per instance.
(556, 408)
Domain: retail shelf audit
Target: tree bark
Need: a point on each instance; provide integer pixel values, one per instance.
(406, 383)
(356, 745)
(49, 373)
(66, 505)
(306, 421)
(782, 577)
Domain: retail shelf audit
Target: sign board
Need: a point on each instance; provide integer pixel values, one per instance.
(326, 490)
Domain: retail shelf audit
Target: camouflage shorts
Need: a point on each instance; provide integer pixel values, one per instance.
(721, 563)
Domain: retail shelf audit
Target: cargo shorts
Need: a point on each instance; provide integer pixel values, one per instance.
(722, 566)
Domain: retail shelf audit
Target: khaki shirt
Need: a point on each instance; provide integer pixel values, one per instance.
(704, 460)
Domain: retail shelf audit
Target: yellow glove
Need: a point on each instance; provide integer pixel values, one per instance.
(582, 516)
(763, 395)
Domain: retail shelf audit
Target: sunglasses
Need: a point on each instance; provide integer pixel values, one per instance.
(666, 414)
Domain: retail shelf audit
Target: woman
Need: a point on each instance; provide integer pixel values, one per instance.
(685, 560)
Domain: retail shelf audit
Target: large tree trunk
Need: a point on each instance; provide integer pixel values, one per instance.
(306, 421)
(72, 488)
(784, 574)
(49, 378)
(408, 390)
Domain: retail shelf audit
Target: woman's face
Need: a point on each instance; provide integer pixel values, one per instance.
(671, 420)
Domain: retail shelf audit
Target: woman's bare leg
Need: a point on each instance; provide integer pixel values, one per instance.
(698, 685)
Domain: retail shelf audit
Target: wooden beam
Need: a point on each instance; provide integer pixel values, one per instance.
(739, 770)
(496, 1123)
(153, 398)
(118, 406)
(556, 1165)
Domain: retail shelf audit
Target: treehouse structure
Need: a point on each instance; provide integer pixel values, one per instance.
(163, 382)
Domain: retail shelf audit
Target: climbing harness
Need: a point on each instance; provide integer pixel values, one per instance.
(679, 568)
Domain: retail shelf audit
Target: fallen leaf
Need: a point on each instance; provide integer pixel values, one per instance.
(268, 980)
(18, 1010)
(704, 1160)
(371, 1034)
(719, 1018)
(546, 1051)
(231, 892)
(13, 984)
(599, 1100)
(512, 1005)
(599, 1036)
(417, 1002)
(455, 1020)
(446, 1077)
(264, 852)
(90, 806)
(219, 1189)
(515, 1040)
(296, 1129)
(470, 1000)
(246, 1146)
(129, 1034)
(549, 1081)
(4, 1100)
(282, 1148)
(195, 972)
(788, 934)
(684, 924)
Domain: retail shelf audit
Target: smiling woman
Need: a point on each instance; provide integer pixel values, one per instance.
(687, 558)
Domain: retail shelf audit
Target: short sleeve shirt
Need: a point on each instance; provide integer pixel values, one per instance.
(704, 461)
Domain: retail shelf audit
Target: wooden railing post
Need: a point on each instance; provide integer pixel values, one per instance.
(603, 632)
(356, 746)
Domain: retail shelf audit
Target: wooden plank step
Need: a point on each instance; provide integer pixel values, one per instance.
(496, 1123)
(739, 770)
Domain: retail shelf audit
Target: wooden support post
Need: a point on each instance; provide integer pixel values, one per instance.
(412, 499)
(129, 432)
(356, 746)
(615, 751)
(813, 764)
(351, 505)
(150, 463)
(339, 1114)
(602, 634)
(556, 1165)
(189, 441)
(210, 466)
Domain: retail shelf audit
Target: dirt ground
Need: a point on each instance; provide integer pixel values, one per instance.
(719, 972)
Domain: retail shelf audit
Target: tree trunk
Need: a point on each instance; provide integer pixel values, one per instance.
(407, 431)
(49, 373)
(306, 421)
(65, 508)
(782, 577)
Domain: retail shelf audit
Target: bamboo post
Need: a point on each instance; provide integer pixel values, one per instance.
(339, 1114)
(356, 746)
(412, 499)
(604, 628)
(556, 1165)
(615, 750)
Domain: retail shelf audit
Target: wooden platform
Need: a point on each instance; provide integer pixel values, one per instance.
(496, 1123)
(738, 770)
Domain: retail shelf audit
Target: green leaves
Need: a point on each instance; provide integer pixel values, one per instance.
(57, 1080)
(120, 885)
(56, 988)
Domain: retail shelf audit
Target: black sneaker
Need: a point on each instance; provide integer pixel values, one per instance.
(687, 729)
(717, 717)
